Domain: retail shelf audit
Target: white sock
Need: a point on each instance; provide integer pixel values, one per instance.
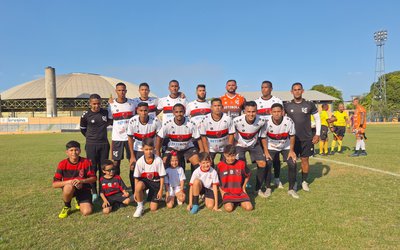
(362, 142)
(140, 204)
(358, 145)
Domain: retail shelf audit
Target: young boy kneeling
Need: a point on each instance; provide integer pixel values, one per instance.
(149, 174)
(74, 175)
(204, 181)
(113, 189)
(234, 176)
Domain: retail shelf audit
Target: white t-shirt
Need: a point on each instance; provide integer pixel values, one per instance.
(120, 113)
(264, 106)
(247, 134)
(152, 171)
(174, 176)
(180, 136)
(196, 111)
(139, 131)
(217, 132)
(208, 178)
(278, 135)
(166, 104)
(152, 102)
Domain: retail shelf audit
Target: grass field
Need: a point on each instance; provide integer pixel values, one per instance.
(348, 207)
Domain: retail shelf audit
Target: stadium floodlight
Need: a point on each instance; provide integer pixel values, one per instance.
(380, 37)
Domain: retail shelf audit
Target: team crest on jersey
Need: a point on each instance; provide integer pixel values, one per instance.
(304, 110)
(237, 171)
(104, 118)
(81, 173)
(179, 138)
(92, 121)
(150, 176)
(237, 101)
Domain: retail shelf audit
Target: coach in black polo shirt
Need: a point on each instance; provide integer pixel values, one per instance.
(93, 125)
(300, 111)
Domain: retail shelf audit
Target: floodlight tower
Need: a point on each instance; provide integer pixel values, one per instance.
(380, 81)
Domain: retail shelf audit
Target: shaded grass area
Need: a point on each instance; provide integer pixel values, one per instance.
(346, 208)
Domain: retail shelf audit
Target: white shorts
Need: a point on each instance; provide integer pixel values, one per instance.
(173, 190)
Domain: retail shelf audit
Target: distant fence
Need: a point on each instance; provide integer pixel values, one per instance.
(38, 124)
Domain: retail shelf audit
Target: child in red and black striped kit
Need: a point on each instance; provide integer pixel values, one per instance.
(74, 176)
(233, 175)
(113, 189)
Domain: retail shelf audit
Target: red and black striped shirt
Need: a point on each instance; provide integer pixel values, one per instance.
(232, 176)
(112, 186)
(68, 171)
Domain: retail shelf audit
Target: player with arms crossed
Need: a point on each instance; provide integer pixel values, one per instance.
(300, 111)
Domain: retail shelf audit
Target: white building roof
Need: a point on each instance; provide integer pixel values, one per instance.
(74, 85)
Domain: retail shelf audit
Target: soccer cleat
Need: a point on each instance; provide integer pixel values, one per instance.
(139, 212)
(94, 197)
(77, 207)
(64, 212)
(293, 194)
(295, 186)
(304, 186)
(261, 194)
(363, 153)
(355, 154)
(268, 192)
(278, 183)
(331, 153)
(195, 209)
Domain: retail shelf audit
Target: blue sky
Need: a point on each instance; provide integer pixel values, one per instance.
(314, 42)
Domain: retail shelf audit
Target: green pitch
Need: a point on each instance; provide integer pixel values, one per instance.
(348, 207)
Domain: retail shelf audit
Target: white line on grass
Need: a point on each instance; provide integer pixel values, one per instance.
(357, 166)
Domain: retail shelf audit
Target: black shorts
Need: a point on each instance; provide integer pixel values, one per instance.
(153, 187)
(116, 199)
(97, 153)
(339, 130)
(208, 193)
(324, 133)
(256, 153)
(187, 154)
(285, 154)
(118, 150)
(304, 148)
(138, 154)
(83, 196)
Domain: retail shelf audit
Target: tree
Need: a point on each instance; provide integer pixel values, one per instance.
(329, 90)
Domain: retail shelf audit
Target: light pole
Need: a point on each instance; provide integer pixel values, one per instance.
(379, 94)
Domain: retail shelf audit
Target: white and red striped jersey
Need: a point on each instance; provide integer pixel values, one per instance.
(278, 135)
(120, 113)
(247, 134)
(151, 101)
(208, 179)
(166, 104)
(180, 136)
(264, 106)
(139, 131)
(216, 132)
(196, 111)
(152, 171)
